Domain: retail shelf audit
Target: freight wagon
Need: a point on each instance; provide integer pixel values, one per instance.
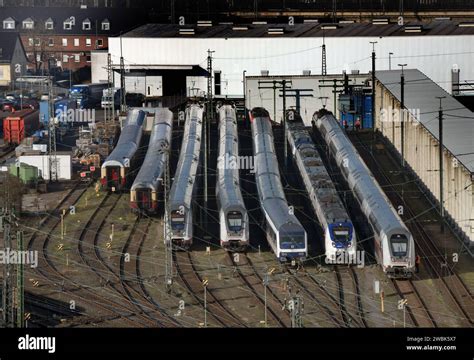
(20, 125)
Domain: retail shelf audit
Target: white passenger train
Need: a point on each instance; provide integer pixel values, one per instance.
(339, 235)
(285, 234)
(233, 217)
(394, 245)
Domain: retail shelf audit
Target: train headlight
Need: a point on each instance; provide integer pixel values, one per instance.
(393, 259)
(333, 244)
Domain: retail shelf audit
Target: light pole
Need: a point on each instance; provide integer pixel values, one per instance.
(373, 86)
(441, 189)
(402, 110)
(390, 60)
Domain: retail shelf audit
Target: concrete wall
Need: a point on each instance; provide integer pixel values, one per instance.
(422, 155)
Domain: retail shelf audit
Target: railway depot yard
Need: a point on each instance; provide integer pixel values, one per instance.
(175, 165)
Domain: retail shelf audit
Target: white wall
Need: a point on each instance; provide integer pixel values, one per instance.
(433, 55)
(42, 163)
(99, 66)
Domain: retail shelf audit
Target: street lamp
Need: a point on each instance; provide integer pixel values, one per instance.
(402, 109)
(70, 71)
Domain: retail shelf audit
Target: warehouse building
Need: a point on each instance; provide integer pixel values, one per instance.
(421, 140)
(178, 54)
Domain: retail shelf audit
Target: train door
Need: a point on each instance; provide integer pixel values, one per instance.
(144, 199)
(113, 177)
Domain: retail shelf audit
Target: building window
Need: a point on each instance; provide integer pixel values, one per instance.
(28, 24)
(67, 25)
(100, 42)
(9, 24)
(65, 58)
(86, 24)
(77, 58)
(50, 42)
(37, 42)
(105, 25)
(88, 42)
(76, 42)
(38, 57)
(88, 58)
(64, 42)
(217, 82)
(30, 42)
(49, 25)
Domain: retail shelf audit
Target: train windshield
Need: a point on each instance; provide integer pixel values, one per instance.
(177, 221)
(234, 220)
(341, 235)
(399, 245)
(292, 241)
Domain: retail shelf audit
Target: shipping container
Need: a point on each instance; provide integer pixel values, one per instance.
(26, 173)
(20, 125)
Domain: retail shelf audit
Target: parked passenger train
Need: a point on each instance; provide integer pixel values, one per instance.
(284, 232)
(119, 168)
(394, 245)
(180, 205)
(339, 235)
(149, 181)
(233, 217)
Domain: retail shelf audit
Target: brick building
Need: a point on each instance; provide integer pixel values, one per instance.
(65, 37)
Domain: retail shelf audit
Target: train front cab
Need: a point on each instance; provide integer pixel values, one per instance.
(340, 239)
(181, 228)
(113, 178)
(292, 244)
(401, 250)
(235, 233)
(144, 200)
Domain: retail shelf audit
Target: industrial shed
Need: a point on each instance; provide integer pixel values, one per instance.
(179, 53)
(422, 140)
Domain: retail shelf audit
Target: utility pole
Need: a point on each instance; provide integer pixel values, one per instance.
(265, 284)
(323, 58)
(373, 88)
(209, 115)
(53, 164)
(205, 282)
(123, 103)
(402, 110)
(298, 95)
(441, 188)
(296, 309)
(110, 92)
(167, 233)
(7, 291)
(20, 285)
(338, 87)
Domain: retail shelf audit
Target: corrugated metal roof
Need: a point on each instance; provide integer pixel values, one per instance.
(421, 93)
(445, 27)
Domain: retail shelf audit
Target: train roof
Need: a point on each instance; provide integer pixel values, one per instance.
(155, 159)
(188, 164)
(129, 140)
(228, 187)
(324, 189)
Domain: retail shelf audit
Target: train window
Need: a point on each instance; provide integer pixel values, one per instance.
(292, 241)
(177, 221)
(399, 245)
(235, 222)
(341, 235)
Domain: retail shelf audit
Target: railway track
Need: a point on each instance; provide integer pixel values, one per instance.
(49, 273)
(455, 290)
(255, 283)
(89, 253)
(130, 274)
(193, 282)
